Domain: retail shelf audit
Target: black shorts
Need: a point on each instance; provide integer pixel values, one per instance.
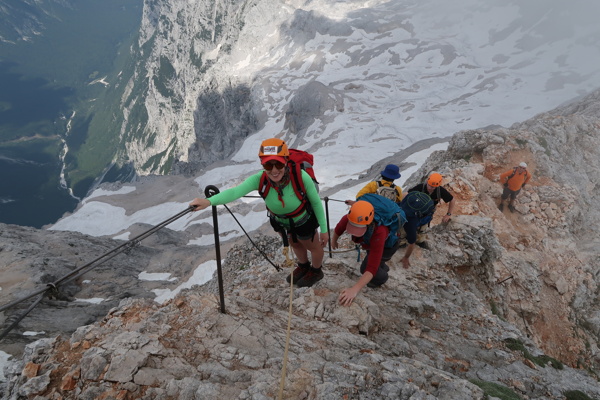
(506, 193)
(305, 231)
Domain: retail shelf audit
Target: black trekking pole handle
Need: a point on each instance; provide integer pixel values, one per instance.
(328, 229)
(210, 191)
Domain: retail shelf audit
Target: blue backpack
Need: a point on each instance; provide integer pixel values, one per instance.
(387, 213)
(418, 205)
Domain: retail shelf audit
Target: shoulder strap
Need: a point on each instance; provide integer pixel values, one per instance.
(514, 172)
(380, 184)
(296, 178)
(299, 189)
(264, 185)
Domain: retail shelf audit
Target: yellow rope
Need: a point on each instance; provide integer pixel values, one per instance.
(288, 262)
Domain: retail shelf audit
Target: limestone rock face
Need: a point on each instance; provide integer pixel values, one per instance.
(182, 111)
(206, 75)
(498, 298)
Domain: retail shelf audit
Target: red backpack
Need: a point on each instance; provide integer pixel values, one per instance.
(299, 160)
(305, 160)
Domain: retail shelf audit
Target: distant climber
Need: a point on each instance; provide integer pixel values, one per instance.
(433, 187)
(513, 181)
(385, 186)
(295, 209)
(375, 231)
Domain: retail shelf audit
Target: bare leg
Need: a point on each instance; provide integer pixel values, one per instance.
(316, 251)
(299, 250)
(314, 274)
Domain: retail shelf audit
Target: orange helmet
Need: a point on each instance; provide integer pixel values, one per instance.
(434, 180)
(361, 213)
(273, 147)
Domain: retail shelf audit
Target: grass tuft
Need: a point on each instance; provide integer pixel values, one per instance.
(542, 360)
(491, 389)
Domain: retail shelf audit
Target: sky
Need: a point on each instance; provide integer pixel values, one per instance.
(400, 73)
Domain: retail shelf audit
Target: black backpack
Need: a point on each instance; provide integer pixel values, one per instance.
(417, 205)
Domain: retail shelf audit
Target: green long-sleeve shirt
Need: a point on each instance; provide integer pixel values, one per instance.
(291, 201)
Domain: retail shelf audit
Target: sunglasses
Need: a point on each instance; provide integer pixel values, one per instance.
(270, 164)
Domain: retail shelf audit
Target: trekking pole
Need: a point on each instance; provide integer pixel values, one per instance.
(210, 191)
(328, 230)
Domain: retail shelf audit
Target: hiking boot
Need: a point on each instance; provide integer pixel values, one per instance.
(501, 207)
(312, 276)
(511, 208)
(423, 245)
(299, 272)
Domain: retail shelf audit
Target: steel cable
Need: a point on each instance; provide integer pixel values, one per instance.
(86, 268)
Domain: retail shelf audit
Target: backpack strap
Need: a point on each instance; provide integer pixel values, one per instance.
(264, 185)
(439, 198)
(366, 238)
(299, 189)
(513, 174)
(380, 184)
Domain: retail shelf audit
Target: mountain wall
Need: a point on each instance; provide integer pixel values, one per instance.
(502, 305)
(210, 74)
(176, 107)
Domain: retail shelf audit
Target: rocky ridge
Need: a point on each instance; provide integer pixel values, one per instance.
(501, 304)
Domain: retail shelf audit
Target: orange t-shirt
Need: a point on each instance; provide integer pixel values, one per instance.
(517, 181)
